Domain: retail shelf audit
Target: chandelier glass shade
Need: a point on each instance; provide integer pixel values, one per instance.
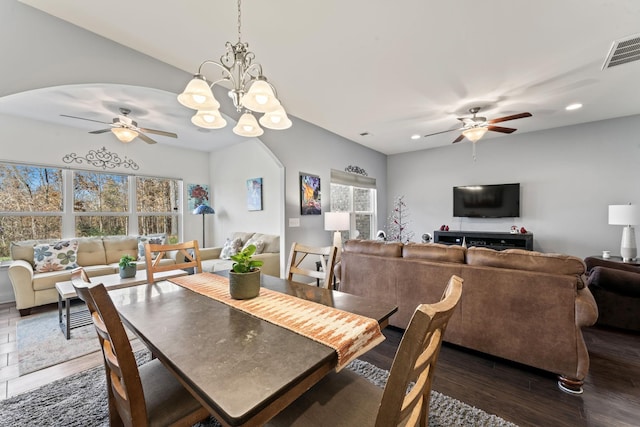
(124, 134)
(250, 92)
(474, 134)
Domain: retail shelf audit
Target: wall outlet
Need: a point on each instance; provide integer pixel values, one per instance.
(294, 222)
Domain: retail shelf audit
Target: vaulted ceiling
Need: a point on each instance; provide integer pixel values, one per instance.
(394, 69)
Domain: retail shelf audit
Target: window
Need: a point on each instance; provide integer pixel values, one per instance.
(39, 202)
(31, 204)
(356, 194)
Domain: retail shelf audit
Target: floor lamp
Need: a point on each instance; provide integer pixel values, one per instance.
(203, 210)
(337, 222)
(626, 215)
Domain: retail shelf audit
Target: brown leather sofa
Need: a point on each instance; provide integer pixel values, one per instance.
(524, 306)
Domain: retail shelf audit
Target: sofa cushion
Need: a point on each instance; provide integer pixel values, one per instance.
(152, 239)
(370, 247)
(230, 248)
(520, 259)
(116, 246)
(243, 236)
(259, 244)
(23, 250)
(271, 242)
(434, 252)
(91, 251)
(56, 256)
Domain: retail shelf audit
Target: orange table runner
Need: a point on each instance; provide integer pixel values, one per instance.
(350, 335)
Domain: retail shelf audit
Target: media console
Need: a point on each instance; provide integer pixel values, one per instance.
(493, 240)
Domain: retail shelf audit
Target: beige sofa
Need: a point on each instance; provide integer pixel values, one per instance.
(98, 256)
(524, 306)
(270, 254)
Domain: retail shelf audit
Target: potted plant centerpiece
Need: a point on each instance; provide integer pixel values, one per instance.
(244, 277)
(127, 266)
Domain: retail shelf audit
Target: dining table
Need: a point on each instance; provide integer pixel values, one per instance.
(242, 368)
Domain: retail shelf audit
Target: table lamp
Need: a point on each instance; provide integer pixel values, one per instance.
(203, 210)
(626, 215)
(336, 222)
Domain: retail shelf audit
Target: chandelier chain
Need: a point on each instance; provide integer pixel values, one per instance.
(239, 22)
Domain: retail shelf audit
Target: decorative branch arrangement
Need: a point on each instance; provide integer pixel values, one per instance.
(101, 159)
(396, 228)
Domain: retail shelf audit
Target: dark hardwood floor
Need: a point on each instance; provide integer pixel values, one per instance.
(530, 397)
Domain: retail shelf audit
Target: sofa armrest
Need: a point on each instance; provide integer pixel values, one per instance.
(21, 276)
(210, 253)
(621, 282)
(592, 263)
(271, 262)
(586, 308)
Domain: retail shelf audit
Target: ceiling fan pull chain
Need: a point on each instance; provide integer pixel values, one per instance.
(473, 144)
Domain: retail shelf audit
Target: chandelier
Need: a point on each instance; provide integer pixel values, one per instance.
(250, 92)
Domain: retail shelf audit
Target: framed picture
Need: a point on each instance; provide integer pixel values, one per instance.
(197, 194)
(254, 194)
(310, 195)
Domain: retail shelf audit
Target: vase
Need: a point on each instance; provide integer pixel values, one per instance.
(244, 285)
(127, 272)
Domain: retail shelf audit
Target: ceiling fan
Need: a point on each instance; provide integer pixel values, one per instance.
(125, 129)
(475, 127)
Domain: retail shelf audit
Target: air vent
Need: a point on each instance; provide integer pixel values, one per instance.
(623, 51)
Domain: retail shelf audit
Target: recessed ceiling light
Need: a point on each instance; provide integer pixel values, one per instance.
(415, 136)
(573, 107)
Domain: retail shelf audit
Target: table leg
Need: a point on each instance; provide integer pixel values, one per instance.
(68, 313)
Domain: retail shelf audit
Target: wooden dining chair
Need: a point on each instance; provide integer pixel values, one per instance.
(145, 396)
(187, 251)
(348, 399)
(326, 256)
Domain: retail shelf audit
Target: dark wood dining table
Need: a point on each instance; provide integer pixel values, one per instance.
(244, 370)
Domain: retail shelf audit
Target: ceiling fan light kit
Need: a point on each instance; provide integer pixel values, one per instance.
(474, 134)
(124, 134)
(250, 91)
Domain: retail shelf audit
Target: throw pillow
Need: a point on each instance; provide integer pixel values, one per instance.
(230, 248)
(259, 244)
(154, 239)
(56, 256)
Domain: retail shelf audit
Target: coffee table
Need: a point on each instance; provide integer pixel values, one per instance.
(66, 293)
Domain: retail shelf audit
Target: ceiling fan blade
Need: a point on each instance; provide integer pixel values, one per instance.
(146, 139)
(458, 139)
(159, 132)
(501, 129)
(507, 118)
(82, 118)
(100, 131)
(444, 131)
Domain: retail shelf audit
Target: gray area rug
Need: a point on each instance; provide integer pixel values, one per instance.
(41, 343)
(81, 400)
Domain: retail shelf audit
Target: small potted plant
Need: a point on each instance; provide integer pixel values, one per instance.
(244, 277)
(127, 266)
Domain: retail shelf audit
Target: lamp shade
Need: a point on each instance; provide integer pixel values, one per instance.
(624, 214)
(260, 97)
(198, 95)
(248, 126)
(209, 119)
(203, 210)
(474, 134)
(276, 119)
(336, 221)
(124, 134)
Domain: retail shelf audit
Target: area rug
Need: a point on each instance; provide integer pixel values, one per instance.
(80, 400)
(41, 343)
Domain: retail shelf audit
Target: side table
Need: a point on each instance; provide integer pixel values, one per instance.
(66, 293)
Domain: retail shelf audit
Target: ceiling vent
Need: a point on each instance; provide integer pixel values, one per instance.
(623, 51)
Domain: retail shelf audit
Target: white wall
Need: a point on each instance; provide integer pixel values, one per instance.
(230, 170)
(568, 177)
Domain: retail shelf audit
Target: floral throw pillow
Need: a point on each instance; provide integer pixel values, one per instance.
(259, 244)
(153, 239)
(56, 256)
(230, 248)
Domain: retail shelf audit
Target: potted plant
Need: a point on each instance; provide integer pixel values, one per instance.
(244, 277)
(127, 266)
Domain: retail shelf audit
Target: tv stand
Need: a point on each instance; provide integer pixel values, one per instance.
(493, 240)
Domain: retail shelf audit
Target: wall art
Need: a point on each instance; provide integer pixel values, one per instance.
(310, 195)
(254, 194)
(197, 194)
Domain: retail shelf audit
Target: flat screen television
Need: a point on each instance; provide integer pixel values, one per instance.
(487, 201)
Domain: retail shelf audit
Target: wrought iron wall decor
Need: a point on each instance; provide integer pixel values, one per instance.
(102, 159)
(356, 169)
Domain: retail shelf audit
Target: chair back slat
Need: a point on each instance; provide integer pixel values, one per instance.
(187, 251)
(415, 361)
(326, 256)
